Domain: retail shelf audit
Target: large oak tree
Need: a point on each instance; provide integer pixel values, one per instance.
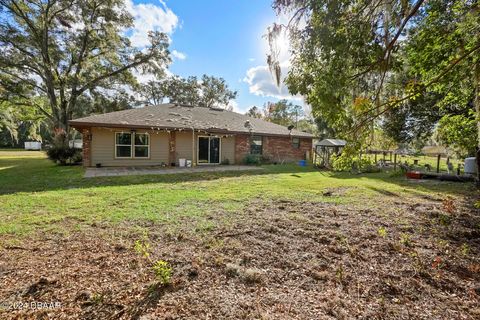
(66, 49)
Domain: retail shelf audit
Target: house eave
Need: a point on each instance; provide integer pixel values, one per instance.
(81, 125)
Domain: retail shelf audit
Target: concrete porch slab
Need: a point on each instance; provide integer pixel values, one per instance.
(130, 171)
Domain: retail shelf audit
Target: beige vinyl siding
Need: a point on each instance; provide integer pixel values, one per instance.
(103, 148)
(228, 149)
(183, 145)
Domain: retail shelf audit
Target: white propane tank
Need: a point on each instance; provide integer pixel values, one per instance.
(470, 165)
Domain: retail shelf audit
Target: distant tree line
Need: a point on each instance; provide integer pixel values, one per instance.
(286, 113)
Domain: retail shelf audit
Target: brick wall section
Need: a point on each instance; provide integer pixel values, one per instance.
(276, 149)
(279, 149)
(242, 147)
(86, 148)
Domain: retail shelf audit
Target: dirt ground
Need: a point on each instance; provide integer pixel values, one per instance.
(400, 259)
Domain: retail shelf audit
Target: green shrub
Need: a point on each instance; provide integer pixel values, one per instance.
(342, 162)
(61, 153)
(255, 159)
(163, 271)
(347, 162)
(161, 268)
(142, 248)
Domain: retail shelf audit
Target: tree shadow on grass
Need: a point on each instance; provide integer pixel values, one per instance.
(413, 186)
(118, 311)
(37, 175)
(383, 192)
(151, 298)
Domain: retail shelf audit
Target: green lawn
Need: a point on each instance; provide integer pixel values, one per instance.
(35, 194)
(285, 242)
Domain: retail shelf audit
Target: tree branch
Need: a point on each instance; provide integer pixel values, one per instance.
(389, 105)
(15, 75)
(390, 45)
(93, 82)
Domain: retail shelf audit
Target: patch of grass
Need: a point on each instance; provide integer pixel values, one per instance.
(465, 249)
(36, 194)
(406, 240)
(382, 232)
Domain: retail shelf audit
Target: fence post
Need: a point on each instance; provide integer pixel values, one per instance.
(395, 162)
(438, 163)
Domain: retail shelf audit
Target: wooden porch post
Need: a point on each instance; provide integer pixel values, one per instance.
(193, 148)
(172, 148)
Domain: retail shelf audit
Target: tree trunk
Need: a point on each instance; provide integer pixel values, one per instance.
(61, 117)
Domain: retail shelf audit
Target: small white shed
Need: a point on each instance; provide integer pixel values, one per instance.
(33, 145)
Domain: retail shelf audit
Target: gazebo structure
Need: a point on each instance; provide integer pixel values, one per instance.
(325, 149)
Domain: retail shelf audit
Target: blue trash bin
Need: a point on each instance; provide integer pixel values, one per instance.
(302, 163)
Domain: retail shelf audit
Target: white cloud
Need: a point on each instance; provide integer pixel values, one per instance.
(233, 105)
(251, 59)
(261, 82)
(150, 17)
(179, 55)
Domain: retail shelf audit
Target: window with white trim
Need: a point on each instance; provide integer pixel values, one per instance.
(142, 145)
(132, 145)
(123, 145)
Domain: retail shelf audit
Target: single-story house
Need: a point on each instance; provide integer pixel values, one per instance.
(164, 134)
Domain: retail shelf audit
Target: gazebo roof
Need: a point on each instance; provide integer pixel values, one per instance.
(331, 143)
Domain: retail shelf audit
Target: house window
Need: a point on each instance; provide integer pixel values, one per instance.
(123, 145)
(256, 145)
(132, 145)
(141, 145)
(296, 143)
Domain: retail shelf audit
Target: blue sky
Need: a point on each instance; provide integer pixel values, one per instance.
(216, 37)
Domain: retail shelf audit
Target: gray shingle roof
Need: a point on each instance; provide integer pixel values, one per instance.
(177, 116)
